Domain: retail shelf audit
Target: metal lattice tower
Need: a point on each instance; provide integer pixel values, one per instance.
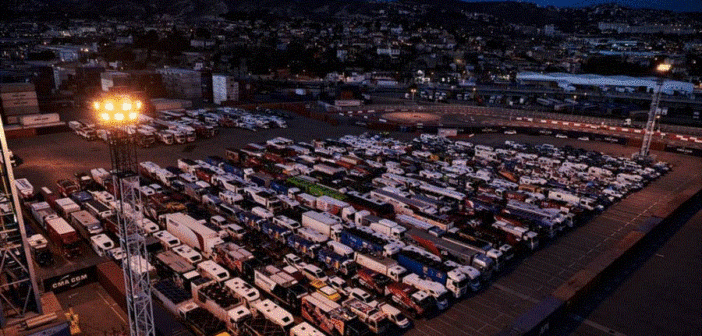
(136, 276)
(653, 114)
(18, 285)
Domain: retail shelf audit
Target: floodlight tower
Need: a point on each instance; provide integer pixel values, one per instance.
(654, 112)
(117, 114)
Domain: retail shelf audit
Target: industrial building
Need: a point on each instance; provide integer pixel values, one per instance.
(571, 82)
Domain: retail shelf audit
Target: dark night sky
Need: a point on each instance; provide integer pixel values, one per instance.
(676, 5)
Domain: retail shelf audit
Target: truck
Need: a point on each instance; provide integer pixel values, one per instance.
(497, 238)
(312, 235)
(339, 263)
(341, 249)
(388, 228)
(330, 317)
(417, 303)
(40, 250)
(447, 249)
(376, 320)
(67, 187)
(169, 264)
(100, 175)
(98, 209)
(280, 285)
(25, 189)
(191, 232)
(383, 265)
(287, 222)
(40, 211)
(274, 313)
(263, 198)
(520, 236)
(234, 258)
(431, 267)
(477, 245)
(275, 232)
(305, 329)
(372, 280)
(261, 326)
(86, 224)
(322, 222)
(362, 241)
(303, 246)
(434, 289)
(219, 300)
(243, 290)
(63, 235)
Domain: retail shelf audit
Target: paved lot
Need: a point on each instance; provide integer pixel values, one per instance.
(98, 313)
(662, 296)
(534, 278)
(48, 158)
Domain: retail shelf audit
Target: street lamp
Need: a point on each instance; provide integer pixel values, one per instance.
(413, 90)
(116, 114)
(654, 112)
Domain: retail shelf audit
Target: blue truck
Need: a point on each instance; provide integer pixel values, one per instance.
(279, 187)
(81, 197)
(275, 232)
(250, 219)
(363, 241)
(303, 246)
(335, 261)
(433, 269)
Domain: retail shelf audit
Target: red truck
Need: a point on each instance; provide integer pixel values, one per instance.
(67, 187)
(372, 280)
(204, 174)
(64, 235)
(417, 303)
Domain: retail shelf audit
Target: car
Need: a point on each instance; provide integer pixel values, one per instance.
(584, 138)
(561, 136)
(511, 132)
(339, 284)
(326, 290)
(330, 293)
(363, 296)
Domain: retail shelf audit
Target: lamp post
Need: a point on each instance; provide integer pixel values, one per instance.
(654, 111)
(413, 90)
(116, 114)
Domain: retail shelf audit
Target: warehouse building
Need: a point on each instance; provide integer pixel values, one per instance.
(571, 82)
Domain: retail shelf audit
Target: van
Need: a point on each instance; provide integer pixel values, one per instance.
(167, 239)
(212, 270)
(395, 316)
(101, 243)
(312, 272)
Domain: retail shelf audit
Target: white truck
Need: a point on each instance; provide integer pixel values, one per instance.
(312, 235)
(220, 301)
(66, 206)
(388, 228)
(322, 222)
(274, 313)
(383, 265)
(191, 232)
(434, 289)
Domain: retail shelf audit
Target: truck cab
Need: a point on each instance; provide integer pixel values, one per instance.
(101, 243)
(395, 316)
